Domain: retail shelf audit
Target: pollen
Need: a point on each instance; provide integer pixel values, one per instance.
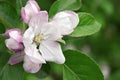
(37, 39)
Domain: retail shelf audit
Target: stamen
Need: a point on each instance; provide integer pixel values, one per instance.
(37, 39)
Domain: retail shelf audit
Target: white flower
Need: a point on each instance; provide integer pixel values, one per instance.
(29, 10)
(40, 39)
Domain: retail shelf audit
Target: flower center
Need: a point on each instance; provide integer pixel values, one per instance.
(37, 39)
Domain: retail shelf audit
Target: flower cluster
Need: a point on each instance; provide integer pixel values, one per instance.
(39, 43)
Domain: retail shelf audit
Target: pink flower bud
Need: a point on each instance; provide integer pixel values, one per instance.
(13, 45)
(6, 34)
(29, 10)
(14, 33)
(16, 36)
(14, 41)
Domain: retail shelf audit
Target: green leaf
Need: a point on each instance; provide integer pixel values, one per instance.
(61, 5)
(8, 15)
(32, 77)
(78, 66)
(88, 25)
(56, 69)
(12, 72)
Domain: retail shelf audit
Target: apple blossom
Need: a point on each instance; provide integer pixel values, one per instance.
(29, 10)
(41, 38)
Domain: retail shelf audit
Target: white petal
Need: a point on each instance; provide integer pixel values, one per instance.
(16, 58)
(33, 54)
(51, 51)
(13, 45)
(29, 10)
(30, 66)
(66, 21)
(50, 32)
(38, 21)
(28, 37)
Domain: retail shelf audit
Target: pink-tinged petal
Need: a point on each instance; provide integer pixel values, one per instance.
(33, 54)
(13, 45)
(51, 51)
(30, 66)
(6, 34)
(29, 10)
(16, 36)
(16, 58)
(38, 21)
(23, 15)
(34, 5)
(65, 21)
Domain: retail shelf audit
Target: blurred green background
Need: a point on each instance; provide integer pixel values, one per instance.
(103, 46)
